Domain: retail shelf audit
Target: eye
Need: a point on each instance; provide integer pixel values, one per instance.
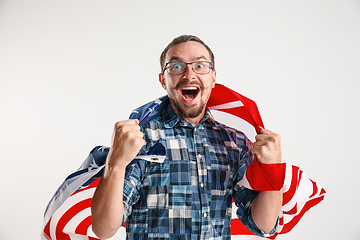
(199, 65)
(176, 66)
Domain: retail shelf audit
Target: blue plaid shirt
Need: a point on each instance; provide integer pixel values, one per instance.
(189, 195)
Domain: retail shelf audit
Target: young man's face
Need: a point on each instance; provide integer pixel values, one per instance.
(188, 92)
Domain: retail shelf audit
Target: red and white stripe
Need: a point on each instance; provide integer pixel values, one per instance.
(299, 194)
(72, 220)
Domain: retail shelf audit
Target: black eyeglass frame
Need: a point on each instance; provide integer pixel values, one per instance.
(192, 67)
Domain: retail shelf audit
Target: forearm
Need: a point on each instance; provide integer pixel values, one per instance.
(107, 210)
(266, 208)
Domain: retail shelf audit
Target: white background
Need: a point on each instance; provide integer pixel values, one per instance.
(70, 69)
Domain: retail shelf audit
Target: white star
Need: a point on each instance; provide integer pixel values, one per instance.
(158, 101)
(102, 148)
(93, 165)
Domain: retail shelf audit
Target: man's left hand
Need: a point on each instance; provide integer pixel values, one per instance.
(267, 147)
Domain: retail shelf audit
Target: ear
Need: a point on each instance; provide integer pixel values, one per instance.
(162, 80)
(213, 79)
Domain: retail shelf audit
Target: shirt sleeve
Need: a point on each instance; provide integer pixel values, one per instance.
(243, 200)
(244, 197)
(132, 183)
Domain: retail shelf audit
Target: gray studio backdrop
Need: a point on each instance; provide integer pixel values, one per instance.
(70, 69)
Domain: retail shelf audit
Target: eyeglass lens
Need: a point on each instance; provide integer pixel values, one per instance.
(200, 67)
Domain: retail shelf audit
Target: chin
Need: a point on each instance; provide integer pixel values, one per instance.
(188, 111)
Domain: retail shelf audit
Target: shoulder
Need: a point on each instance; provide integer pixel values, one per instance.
(232, 137)
(156, 124)
(166, 118)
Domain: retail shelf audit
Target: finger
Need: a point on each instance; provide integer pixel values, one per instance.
(123, 127)
(262, 150)
(261, 143)
(266, 131)
(266, 155)
(256, 151)
(128, 128)
(136, 134)
(268, 136)
(261, 137)
(126, 122)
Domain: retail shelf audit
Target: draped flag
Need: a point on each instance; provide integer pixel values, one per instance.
(68, 214)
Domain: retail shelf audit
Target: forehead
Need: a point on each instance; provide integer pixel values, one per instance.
(187, 51)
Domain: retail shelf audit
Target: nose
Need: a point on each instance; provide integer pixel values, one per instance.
(189, 72)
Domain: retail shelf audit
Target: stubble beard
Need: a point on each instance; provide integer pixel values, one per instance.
(187, 112)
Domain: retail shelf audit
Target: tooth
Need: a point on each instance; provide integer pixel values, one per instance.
(190, 88)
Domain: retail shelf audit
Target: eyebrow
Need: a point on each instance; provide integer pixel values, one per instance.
(174, 58)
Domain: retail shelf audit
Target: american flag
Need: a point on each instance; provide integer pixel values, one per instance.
(68, 214)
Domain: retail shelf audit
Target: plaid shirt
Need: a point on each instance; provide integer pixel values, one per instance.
(189, 195)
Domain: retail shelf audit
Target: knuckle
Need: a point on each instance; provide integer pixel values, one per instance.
(136, 128)
(273, 138)
(128, 134)
(124, 128)
(278, 137)
(275, 135)
(117, 125)
(141, 141)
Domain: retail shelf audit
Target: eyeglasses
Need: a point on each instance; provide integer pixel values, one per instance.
(199, 67)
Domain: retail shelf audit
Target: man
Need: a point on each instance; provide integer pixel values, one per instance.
(189, 195)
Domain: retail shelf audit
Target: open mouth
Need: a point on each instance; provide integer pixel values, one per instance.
(189, 93)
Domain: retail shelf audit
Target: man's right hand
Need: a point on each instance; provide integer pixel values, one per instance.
(106, 208)
(126, 143)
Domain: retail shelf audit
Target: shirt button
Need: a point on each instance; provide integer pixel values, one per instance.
(199, 157)
(205, 214)
(202, 185)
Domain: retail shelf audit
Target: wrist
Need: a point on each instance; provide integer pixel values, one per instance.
(115, 170)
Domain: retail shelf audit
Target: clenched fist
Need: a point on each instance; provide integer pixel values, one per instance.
(267, 147)
(126, 143)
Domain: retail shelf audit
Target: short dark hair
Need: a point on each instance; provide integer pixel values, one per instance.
(181, 39)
